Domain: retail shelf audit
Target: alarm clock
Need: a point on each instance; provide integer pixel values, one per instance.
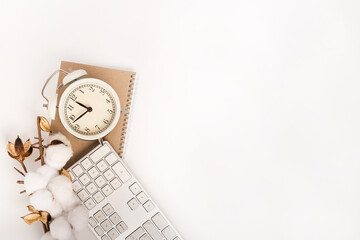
(88, 108)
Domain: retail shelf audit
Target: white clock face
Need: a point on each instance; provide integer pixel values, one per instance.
(89, 109)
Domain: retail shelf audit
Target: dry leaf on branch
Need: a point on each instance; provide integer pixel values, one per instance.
(66, 174)
(20, 151)
(31, 218)
(36, 216)
(44, 124)
(32, 209)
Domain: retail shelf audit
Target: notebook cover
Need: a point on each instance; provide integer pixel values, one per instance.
(123, 84)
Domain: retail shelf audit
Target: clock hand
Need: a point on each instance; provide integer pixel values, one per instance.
(82, 105)
(88, 110)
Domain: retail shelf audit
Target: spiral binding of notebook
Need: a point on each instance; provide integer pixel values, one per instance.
(126, 113)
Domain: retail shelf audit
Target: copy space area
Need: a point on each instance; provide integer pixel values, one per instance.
(246, 118)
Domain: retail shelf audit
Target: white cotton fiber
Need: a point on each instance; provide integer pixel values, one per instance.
(61, 188)
(55, 209)
(71, 203)
(47, 236)
(41, 200)
(47, 172)
(78, 217)
(34, 181)
(61, 137)
(56, 156)
(60, 228)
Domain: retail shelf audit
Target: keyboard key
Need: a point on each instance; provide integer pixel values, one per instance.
(142, 197)
(92, 222)
(133, 204)
(83, 195)
(84, 179)
(135, 234)
(135, 188)
(108, 209)
(101, 166)
(148, 206)
(115, 183)
(78, 170)
(109, 175)
(105, 237)
(111, 159)
(159, 221)
(91, 188)
(177, 238)
(86, 163)
(113, 234)
(98, 197)
(151, 229)
(99, 231)
(115, 218)
(99, 216)
(76, 186)
(90, 204)
(93, 172)
(120, 170)
(106, 225)
(107, 190)
(122, 227)
(99, 153)
(145, 237)
(100, 181)
(169, 233)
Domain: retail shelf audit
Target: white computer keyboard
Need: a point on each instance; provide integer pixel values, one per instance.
(119, 206)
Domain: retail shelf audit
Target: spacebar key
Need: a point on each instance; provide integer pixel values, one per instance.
(120, 170)
(151, 229)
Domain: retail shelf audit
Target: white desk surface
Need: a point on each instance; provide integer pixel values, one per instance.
(246, 121)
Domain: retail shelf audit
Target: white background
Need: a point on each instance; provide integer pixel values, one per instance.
(246, 120)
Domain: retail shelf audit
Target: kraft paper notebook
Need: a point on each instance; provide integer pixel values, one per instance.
(123, 83)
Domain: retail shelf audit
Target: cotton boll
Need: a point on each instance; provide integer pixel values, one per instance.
(59, 136)
(78, 217)
(47, 236)
(55, 209)
(41, 200)
(60, 228)
(61, 188)
(71, 203)
(47, 172)
(34, 181)
(72, 237)
(56, 156)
